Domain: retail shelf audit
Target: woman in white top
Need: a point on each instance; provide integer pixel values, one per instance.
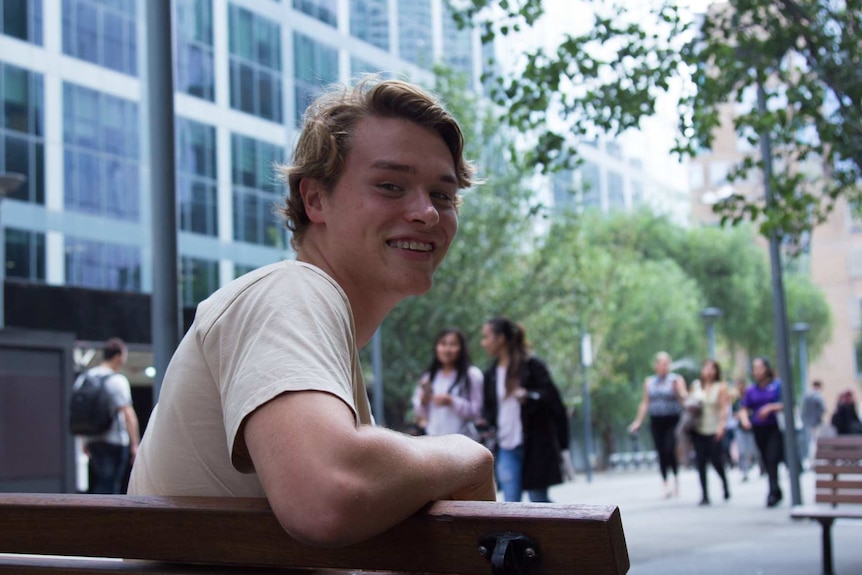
(709, 431)
(449, 394)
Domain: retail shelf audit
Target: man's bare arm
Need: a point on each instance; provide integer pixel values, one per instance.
(331, 483)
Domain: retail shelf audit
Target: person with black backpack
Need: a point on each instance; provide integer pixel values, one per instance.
(101, 412)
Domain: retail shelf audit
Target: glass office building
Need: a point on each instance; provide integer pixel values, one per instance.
(74, 117)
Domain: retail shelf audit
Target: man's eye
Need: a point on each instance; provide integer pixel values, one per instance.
(389, 187)
(443, 196)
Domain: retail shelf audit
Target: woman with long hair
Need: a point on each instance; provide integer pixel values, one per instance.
(760, 406)
(449, 395)
(524, 406)
(708, 433)
(662, 397)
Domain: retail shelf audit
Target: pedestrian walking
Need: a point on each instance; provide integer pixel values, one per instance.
(811, 414)
(662, 398)
(523, 404)
(760, 406)
(113, 451)
(708, 433)
(449, 395)
(746, 449)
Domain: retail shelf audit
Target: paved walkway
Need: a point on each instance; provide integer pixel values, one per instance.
(738, 537)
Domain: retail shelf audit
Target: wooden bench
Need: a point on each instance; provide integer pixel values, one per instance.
(838, 464)
(74, 534)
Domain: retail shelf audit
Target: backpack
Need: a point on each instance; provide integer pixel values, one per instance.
(91, 408)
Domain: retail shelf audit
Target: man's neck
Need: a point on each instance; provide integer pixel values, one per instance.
(369, 308)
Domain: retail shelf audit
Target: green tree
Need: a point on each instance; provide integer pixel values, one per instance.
(803, 57)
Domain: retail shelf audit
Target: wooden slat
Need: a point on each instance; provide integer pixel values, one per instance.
(442, 538)
(829, 482)
(14, 565)
(829, 453)
(840, 441)
(838, 469)
(835, 498)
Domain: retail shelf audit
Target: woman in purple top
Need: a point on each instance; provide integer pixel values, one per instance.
(760, 405)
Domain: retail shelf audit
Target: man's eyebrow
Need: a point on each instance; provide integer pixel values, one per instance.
(394, 166)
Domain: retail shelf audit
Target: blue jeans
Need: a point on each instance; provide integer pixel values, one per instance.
(510, 464)
(108, 464)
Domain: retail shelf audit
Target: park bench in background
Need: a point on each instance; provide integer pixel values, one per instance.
(72, 534)
(838, 464)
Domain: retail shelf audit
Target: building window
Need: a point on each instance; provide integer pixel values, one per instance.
(324, 10)
(22, 19)
(315, 66)
(359, 68)
(414, 32)
(25, 255)
(199, 278)
(616, 194)
(369, 21)
(459, 44)
(99, 265)
(194, 49)
(22, 136)
(255, 64)
(100, 154)
(591, 185)
(197, 196)
(638, 198)
(103, 33)
(614, 150)
(563, 190)
(855, 263)
(255, 193)
(242, 269)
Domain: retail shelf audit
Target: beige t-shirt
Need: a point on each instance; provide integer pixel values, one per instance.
(284, 327)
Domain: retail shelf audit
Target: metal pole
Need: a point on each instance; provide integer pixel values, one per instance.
(377, 364)
(165, 307)
(791, 456)
(710, 315)
(9, 182)
(710, 334)
(586, 361)
(801, 329)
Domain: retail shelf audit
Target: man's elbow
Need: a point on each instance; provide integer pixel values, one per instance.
(330, 522)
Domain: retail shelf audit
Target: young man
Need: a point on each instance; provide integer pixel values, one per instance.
(264, 396)
(111, 452)
(813, 408)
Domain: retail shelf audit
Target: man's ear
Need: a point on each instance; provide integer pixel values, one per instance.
(312, 193)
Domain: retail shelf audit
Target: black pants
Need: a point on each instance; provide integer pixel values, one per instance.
(770, 445)
(108, 463)
(707, 449)
(663, 428)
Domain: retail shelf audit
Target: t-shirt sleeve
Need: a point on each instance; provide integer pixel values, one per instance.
(279, 338)
(120, 390)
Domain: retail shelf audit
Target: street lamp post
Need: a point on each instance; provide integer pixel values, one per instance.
(586, 362)
(801, 330)
(779, 309)
(9, 182)
(709, 315)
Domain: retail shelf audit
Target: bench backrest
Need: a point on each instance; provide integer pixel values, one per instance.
(839, 470)
(445, 537)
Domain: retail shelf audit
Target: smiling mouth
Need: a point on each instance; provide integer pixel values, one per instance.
(411, 245)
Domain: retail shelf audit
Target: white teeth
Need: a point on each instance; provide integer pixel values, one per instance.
(415, 246)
